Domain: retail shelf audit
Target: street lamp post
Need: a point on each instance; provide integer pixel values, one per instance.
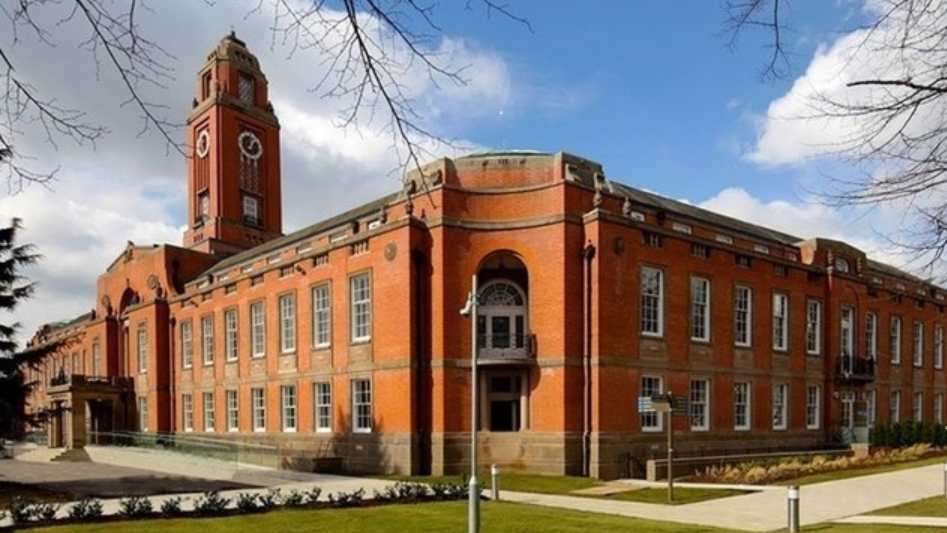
(473, 506)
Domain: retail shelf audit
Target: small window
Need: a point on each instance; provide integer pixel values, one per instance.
(653, 240)
(763, 249)
(246, 88)
(681, 228)
(251, 211)
(361, 406)
(725, 239)
(700, 251)
(206, 84)
(742, 261)
(780, 271)
(841, 265)
(637, 216)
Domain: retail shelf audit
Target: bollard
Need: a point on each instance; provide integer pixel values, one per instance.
(793, 508)
(945, 480)
(495, 481)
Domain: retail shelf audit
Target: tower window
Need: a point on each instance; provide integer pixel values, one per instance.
(203, 208)
(251, 211)
(205, 85)
(246, 88)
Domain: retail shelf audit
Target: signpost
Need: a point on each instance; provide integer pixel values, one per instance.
(669, 405)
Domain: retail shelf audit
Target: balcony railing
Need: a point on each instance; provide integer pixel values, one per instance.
(506, 347)
(855, 368)
(62, 380)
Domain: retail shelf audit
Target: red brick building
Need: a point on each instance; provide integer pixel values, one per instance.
(344, 338)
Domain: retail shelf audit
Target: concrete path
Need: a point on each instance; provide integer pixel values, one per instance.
(767, 510)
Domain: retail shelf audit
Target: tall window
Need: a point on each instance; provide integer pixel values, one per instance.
(651, 386)
(847, 339)
(938, 346)
(187, 344)
(742, 315)
(918, 344)
(895, 407)
(258, 403)
(209, 422)
(187, 412)
(96, 359)
(288, 407)
(652, 301)
(287, 322)
(917, 407)
(321, 316)
(245, 87)
(323, 396)
(142, 347)
(361, 308)
(813, 406)
(871, 407)
(361, 406)
(780, 400)
(780, 321)
(939, 407)
(233, 411)
(258, 328)
(207, 339)
(700, 309)
(231, 337)
(871, 335)
(896, 339)
(813, 327)
(700, 404)
(143, 413)
(741, 405)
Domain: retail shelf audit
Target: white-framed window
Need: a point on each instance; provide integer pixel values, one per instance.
(780, 405)
(780, 321)
(895, 340)
(742, 411)
(742, 315)
(323, 407)
(700, 309)
(813, 406)
(287, 322)
(207, 339)
(251, 209)
(938, 346)
(871, 407)
(231, 335)
(651, 386)
(233, 411)
(258, 328)
(917, 407)
(96, 359)
(700, 405)
(187, 344)
(939, 407)
(258, 403)
(361, 307)
(652, 302)
(813, 327)
(321, 316)
(871, 335)
(288, 408)
(142, 347)
(894, 407)
(143, 413)
(187, 412)
(918, 344)
(209, 421)
(846, 331)
(361, 406)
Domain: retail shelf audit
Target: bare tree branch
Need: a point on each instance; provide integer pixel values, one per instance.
(743, 16)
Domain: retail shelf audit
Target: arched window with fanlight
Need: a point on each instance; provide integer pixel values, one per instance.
(502, 329)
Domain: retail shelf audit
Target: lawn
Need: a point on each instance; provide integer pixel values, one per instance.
(497, 517)
(936, 506)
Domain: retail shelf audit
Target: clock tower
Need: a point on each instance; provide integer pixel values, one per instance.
(233, 189)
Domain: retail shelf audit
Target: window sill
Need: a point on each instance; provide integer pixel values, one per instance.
(362, 431)
(323, 431)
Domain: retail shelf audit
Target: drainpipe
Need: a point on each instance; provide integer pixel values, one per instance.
(588, 253)
(172, 388)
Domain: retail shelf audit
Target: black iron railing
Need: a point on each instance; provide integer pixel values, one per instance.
(853, 367)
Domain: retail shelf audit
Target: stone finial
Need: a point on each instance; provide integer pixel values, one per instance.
(409, 207)
(626, 207)
(597, 199)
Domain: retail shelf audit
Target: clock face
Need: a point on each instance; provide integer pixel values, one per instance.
(203, 144)
(250, 145)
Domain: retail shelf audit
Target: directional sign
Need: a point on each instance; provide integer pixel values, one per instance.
(680, 405)
(645, 405)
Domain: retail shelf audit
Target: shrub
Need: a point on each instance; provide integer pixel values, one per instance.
(135, 507)
(86, 509)
(271, 498)
(294, 499)
(347, 499)
(171, 507)
(45, 511)
(410, 492)
(247, 502)
(20, 510)
(211, 503)
(314, 494)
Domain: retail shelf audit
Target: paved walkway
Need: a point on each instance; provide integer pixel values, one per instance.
(122, 471)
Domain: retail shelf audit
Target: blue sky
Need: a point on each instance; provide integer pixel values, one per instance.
(649, 89)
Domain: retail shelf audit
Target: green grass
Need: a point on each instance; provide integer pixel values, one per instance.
(936, 506)
(858, 472)
(496, 517)
(682, 495)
